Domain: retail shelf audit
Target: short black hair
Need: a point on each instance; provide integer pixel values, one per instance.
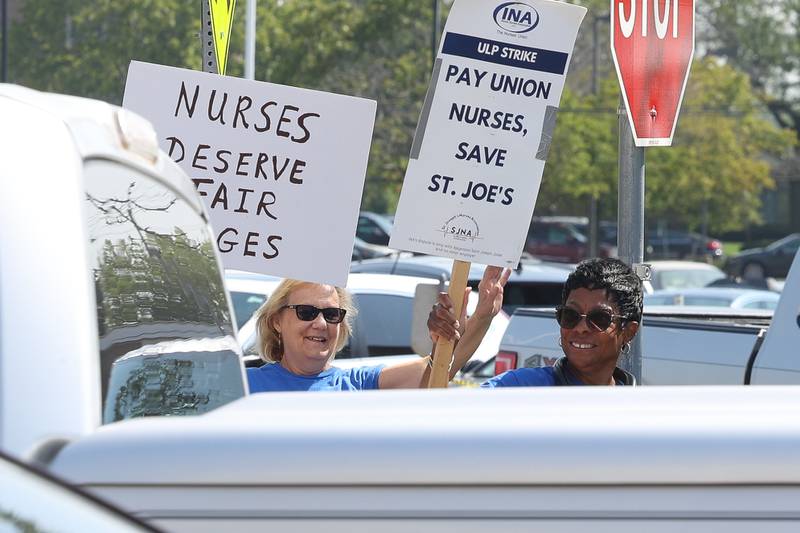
(620, 282)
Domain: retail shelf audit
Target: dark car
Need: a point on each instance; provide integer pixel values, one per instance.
(561, 239)
(532, 284)
(673, 244)
(772, 261)
(374, 228)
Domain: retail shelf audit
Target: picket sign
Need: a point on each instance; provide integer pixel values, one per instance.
(262, 157)
(483, 137)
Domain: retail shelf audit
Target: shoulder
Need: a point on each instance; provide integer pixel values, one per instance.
(261, 378)
(362, 377)
(523, 377)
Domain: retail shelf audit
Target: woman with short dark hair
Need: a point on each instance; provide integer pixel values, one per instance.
(599, 315)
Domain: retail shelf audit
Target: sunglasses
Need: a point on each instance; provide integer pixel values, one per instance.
(600, 319)
(307, 313)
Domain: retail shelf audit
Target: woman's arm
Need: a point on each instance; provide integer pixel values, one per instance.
(442, 322)
(490, 302)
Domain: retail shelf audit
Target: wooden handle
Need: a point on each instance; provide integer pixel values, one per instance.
(440, 373)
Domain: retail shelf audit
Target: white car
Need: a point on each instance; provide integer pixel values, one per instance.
(715, 297)
(682, 275)
(382, 328)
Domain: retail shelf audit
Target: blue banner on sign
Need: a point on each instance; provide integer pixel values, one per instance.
(456, 44)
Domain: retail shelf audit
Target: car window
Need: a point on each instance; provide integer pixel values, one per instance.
(163, 319)
(527, 294)
(761, 304)
(659, 300)
(33, 502)
(706, 300)
(245, 304)
(384, 322)
(556, 235)
(791, 247)
(485, 371)
(370, 232)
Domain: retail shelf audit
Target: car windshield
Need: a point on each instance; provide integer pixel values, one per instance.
(687, 279)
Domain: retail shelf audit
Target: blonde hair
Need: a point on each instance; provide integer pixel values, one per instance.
(270, 347)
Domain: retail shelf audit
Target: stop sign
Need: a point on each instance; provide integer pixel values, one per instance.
(652, 42)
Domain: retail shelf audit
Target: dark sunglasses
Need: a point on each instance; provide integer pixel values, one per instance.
(600, 319)
(307, 313)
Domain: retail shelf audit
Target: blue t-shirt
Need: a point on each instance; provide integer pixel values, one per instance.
(523, 377)
(274, 378)
(543, 376)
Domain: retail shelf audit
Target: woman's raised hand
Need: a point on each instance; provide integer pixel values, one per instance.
(490, 291)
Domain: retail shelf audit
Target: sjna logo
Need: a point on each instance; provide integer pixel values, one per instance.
(516, 17)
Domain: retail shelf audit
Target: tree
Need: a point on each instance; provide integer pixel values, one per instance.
(378, 50)
(84, 47)
(720, 163)
(759, 38)
(713, 174)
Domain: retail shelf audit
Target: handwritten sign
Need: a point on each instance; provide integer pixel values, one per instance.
(281, 169)
(485, 130)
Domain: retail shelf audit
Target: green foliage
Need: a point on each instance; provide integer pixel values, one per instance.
(718, 164)
(759, 38)
(716, 170)
(84, 47)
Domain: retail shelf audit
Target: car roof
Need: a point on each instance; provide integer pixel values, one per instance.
(682, 265)
(715, 292)
(239, 281)
(436, 267)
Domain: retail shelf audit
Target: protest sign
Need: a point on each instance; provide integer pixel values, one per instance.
(280, 169)
(485, 130)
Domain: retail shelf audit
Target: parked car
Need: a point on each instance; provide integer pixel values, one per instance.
(374, 228)
(383, 325)
(715, 297)
(673, 244)
(532, 284)
(683, 275)
(772, 261)
(559, 239)
(248, 291)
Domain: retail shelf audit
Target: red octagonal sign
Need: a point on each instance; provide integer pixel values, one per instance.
(652, 42)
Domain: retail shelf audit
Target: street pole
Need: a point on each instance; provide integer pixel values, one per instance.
(4, 24)
(630, 220)
(435, 36)
(594, 222)
(250, 41)
(207, 38)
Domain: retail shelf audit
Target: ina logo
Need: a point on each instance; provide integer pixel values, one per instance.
(516, 17)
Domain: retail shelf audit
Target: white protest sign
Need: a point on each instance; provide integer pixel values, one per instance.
(485, 130)
(281, 169)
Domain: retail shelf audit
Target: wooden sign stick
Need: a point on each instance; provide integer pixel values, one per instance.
(440, 373)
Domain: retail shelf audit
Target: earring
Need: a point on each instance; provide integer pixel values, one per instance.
(626, 348)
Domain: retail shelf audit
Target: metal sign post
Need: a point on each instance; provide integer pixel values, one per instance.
(250, 41)
(652, 45)
(4, 29)
(207, 37)
(217, 21)
(630, 219)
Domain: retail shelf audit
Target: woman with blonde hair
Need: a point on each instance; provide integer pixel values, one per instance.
(303, 325)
